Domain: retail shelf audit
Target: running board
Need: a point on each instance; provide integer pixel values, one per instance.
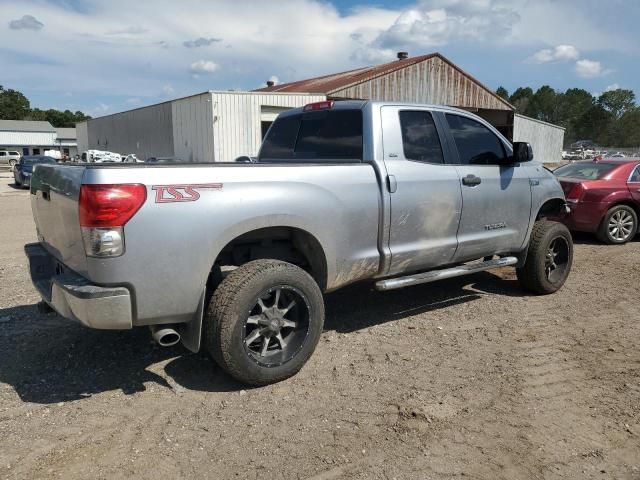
(432, 276)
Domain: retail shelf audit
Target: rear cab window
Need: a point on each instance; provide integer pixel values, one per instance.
(316, 136)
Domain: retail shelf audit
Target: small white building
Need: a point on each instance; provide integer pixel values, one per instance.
(214, 126)
(31, 137)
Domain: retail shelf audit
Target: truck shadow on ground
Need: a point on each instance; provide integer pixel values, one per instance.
(47, 359)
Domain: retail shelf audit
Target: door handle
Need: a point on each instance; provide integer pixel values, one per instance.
(392, 184)
(471, 180)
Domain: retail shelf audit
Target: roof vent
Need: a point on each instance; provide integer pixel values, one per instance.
(403, 55)
(270, 83)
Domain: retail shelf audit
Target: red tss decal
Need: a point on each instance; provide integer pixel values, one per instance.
(182, 193)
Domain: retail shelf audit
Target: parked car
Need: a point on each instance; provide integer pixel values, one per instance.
(131, 158)
(236, 256)
(9, 157)
(23, 171)
(604, 198)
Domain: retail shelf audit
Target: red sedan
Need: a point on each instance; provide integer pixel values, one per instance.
(604, 197)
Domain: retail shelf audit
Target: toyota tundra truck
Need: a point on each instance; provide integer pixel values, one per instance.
(234, 258)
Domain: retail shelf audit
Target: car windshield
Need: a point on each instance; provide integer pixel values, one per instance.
(35, 160)
(588, 171)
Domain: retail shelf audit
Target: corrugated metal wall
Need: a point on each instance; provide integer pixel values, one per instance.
(147, 132)
(237, 117)
(20, 139)
(193, 137)
(83, 136)
(545, 139)
(433, 81)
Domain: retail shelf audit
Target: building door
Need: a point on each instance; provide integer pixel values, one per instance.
(425, 194)
(496, 197)
(25, 150)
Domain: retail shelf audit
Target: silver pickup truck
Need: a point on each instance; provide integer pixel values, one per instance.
(236, 256)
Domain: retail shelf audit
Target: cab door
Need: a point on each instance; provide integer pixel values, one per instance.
(496, 197)
(425, 192)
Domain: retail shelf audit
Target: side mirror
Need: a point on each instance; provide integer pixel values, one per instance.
(522, 152)
(244, 159)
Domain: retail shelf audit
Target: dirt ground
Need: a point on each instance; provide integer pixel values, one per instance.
(467, 378)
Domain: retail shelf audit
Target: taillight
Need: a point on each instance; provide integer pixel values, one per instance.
(318, 106)
(110, 205)
(575, 194)
(104, 210)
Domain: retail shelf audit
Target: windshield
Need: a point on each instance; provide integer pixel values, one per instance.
(35, 160)
(588, 171)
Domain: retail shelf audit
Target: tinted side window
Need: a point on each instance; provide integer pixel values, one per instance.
(281, 138)
(635, 176)
(477, 145)
(335, 134)
(2, 154)
(419, 137)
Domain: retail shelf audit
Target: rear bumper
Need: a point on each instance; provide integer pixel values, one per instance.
(74, 297)
(585, 216)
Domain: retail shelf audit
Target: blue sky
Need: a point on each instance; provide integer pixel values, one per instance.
(107, 56)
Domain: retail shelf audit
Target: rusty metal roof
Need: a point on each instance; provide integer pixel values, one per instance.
(328, 84)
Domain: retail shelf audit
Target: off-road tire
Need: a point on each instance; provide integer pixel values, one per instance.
(229, 307)
(533, 275)
(603, 230)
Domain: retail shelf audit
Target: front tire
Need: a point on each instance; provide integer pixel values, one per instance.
(549, 258)
(619, 225)
(264, 321)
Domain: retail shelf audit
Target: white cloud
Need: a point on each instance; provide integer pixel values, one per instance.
(133, 101)
(201, 42)
(142, 55)
(557, 54)
(589, 68)
(99, 110)
(27, 22)
(613, 86)
(203, 66)
(439, 22)
(274, 79)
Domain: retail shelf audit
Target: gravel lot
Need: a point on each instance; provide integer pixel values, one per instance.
(466, 378)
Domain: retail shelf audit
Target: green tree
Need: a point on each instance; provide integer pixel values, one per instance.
(544, 105)
(630, 128)
(502, 92)
(521, 98)
(575, 102)
(618, 102)
(13, 105)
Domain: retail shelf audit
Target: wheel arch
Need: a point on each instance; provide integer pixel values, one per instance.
(277, 242)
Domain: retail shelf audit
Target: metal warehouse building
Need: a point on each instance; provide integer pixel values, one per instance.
(208, 127)
(433, 79)
(220, 126)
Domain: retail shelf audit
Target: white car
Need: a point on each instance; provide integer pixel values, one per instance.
(9, 157)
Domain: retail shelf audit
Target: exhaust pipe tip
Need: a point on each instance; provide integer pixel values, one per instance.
(165, 336)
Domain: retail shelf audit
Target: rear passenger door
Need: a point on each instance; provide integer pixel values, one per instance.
(425, 194)
(496, 197)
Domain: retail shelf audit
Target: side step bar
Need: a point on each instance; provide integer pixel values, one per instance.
(432, 276)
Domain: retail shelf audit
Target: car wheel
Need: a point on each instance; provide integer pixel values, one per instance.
(549, 258)
(264, 321)
(619, 225)
(12, 163)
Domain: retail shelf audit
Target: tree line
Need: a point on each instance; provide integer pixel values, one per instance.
(15, 106)
(611, 119)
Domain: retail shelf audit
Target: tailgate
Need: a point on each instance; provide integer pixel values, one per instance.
(55, 190)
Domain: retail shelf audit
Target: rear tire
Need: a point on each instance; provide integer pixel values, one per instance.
(264, 321)
(12, 163)
(619, 225)
(549, 258)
